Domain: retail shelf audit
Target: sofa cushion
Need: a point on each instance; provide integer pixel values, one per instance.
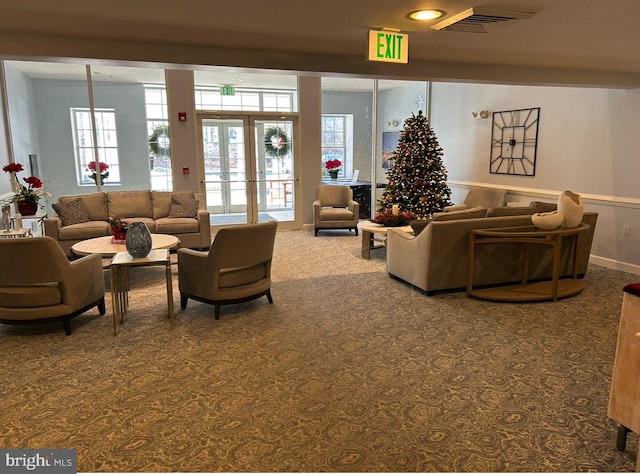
(162, 201)
(94, 203)
(72, 212)
(177, 225)
(472, 213)
(183, 207)
(30, 296)
(127, 204)
(84, 230)
(150, 223)
(510, 211)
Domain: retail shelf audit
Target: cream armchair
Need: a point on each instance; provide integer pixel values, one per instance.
(237, 267)
(335, 209)
(481, 197)
(38, 284)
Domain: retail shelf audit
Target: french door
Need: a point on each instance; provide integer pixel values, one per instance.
(248, 168)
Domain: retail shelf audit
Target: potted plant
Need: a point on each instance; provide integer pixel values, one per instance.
(100, 170)
(26, 195)
(333, 167)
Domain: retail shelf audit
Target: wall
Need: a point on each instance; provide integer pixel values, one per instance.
(586, 142)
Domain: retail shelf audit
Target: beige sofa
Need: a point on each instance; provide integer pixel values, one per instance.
(85, 216)
(437, 258)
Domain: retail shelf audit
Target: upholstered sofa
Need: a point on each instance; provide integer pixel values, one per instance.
(85, 216)
(437, 258)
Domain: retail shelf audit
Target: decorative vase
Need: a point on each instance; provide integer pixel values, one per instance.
(547, 220)
(333, 174)
(138, 240)
(26, 208)
(571, 206)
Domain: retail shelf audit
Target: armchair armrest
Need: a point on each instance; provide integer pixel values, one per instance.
(354, 207)
(205, 228)
(84, 281)
(408, 256)
(52, 226)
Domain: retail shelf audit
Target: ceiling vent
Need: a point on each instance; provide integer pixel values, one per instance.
(480, 20)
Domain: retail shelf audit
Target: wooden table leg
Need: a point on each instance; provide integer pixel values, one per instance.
(367, 243)
(170, 294)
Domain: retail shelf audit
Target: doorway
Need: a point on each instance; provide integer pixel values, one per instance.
(248, 168)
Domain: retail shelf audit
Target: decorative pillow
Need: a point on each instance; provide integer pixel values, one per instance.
(472, 213)
(72, 212)
(183, 207)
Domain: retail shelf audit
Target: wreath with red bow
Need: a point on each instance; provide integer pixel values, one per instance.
(276, 142)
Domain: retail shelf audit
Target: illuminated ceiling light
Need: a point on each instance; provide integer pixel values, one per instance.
(424, 15)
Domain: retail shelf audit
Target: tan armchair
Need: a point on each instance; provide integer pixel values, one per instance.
(335, 209)
(38, 284)
(481, 197)
(237, 267)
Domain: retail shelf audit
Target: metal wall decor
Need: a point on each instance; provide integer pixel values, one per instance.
(514, 142)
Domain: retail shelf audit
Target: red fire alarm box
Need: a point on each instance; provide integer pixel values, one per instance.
(182, 116)
(185, 170)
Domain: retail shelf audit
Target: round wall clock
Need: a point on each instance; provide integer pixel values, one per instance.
(514, 142)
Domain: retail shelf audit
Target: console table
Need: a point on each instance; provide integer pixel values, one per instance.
(525, 290)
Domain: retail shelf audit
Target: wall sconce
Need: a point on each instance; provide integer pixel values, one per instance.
(393, 123)
(481, 114)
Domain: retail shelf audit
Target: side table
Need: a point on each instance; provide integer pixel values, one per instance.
(525, 290)
(120, 265)
(15, 234)
(369, 229)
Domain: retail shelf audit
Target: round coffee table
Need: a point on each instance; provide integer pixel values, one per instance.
(104, 247)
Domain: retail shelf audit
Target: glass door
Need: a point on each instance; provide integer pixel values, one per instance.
(248, 168)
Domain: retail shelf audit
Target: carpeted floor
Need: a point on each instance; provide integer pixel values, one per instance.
(348, 370)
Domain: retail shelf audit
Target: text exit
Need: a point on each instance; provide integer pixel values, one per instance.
(388, 46)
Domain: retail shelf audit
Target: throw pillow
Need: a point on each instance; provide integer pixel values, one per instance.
(183, 207)
(72, 212)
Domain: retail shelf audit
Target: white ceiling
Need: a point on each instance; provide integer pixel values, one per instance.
(583, 42)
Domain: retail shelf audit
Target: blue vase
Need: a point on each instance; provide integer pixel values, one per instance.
(138, 241)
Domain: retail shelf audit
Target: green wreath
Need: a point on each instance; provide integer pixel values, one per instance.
(276, 142)
(155, 146)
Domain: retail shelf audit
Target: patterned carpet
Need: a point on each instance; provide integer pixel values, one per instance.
(348, 370)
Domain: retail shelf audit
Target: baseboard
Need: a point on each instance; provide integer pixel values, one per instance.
(615, 265)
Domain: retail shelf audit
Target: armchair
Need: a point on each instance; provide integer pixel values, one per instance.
(335, 209)
(237, 267)
(39, 284)
(481, 197)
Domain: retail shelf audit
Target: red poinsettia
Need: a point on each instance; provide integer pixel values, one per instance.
(32, 192)
(332, 165)
(103, 166)
(103, 173)
(13, 168)
(387, 218)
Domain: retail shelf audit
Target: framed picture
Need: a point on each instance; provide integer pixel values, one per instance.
(389, 144)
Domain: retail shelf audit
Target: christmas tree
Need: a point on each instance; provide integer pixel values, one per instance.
(417, 179)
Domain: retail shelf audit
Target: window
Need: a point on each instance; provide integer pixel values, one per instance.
(337, 143)
(211, 98)
(158, 136)
(83, 144)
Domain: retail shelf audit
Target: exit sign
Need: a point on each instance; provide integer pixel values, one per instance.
(388, 46)
(228, 90)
